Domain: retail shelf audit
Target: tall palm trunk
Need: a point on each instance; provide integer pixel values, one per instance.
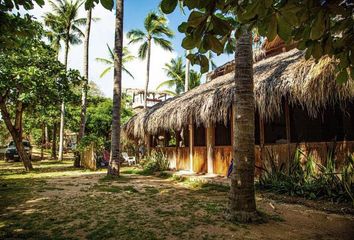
(85, 83)
(242, 204)
(114, 163)
(147, 73)
(62, 113)
(188, 65)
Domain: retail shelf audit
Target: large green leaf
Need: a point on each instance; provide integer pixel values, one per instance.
(168, 6)
(342, 77)
(272, 28)
(107, 4)
(213, 44)
(318, 27)
(284, 28)
(189, 43)
(195, 18)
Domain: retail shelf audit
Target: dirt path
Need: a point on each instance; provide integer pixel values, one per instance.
(144, 207)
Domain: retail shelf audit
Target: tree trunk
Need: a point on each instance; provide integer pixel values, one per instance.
(188, 65)
(85, 83)
(42, 141)
(62, 113)
(16, 133)
(54, 142)
(46, 136)
(115, 160)
(61, 133)
(242, 204)
(147, 73)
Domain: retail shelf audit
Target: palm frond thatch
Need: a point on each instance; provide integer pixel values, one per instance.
(285, 76)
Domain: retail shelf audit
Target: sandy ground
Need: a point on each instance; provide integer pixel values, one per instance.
(88, 206)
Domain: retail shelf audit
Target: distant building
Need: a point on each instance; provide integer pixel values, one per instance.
(137, 95)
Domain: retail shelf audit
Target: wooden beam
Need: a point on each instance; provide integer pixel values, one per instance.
(287, 125)
(210, 142)
(191, 143)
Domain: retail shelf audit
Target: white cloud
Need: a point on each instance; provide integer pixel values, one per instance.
(102, 33)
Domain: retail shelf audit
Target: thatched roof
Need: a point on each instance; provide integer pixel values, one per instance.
(288, 75)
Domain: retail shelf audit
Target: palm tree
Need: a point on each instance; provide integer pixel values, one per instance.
(155, 30)
(242, 204)
(64, 21)
(211, 56)
(116, 156)
(85, 82)
(127, 57)
(175, 70)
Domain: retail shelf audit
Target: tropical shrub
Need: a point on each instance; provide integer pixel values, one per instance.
(155, 162)
(311, 180)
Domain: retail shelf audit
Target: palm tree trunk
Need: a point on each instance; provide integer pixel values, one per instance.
(242, 204)
(114, 163)
(62, 113)
(147, 73)
(188, 65)
(85, 83)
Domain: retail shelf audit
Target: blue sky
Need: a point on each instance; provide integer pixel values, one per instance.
(103, 33)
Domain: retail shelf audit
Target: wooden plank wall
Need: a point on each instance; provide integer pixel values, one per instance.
(222, 159)
(200, 160)
(183, 158)
(279, 152)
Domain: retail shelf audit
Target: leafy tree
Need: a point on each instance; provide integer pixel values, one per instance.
(175, 70)
(30, 75)
(319, 27)
(64, 22)
(127, 57)
(155, 29)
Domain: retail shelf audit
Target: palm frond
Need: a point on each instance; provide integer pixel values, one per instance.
(105, 71)
(165, 44)
(104, 61)
(168, 83)
(143, 50)
(127, 71)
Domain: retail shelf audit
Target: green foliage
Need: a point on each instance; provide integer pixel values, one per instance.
(87, 140)
(155, 29)
(155, 162)
(9, 5)
(311, 180)
(175, 70)
(127, 57)
(107, 4)
(320, 27)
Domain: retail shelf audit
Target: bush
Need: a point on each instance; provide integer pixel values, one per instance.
(311, 180)
(155, 162)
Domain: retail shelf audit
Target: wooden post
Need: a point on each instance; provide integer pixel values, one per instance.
(148, 144)
(165, 141)
(287, 125)
(210, 142)
(191, 143)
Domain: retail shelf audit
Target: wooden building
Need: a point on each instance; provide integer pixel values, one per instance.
(298, 105)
